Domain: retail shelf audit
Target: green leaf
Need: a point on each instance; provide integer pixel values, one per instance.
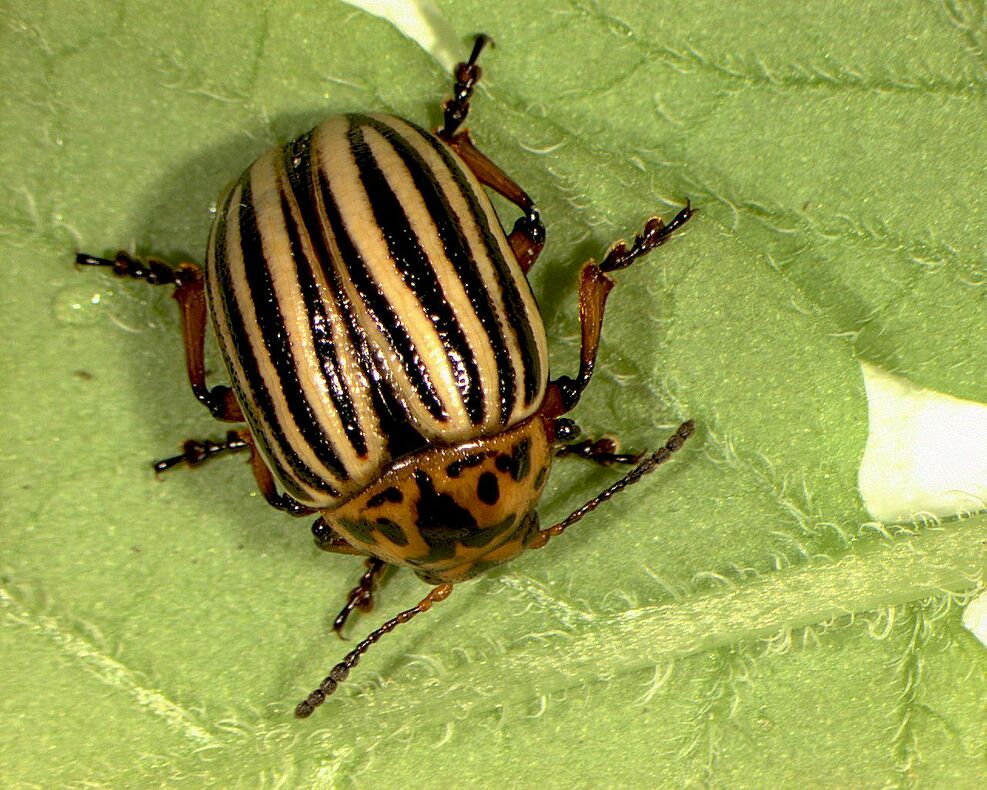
(736, 619)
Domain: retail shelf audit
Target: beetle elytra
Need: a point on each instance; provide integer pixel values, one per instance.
(386, 352)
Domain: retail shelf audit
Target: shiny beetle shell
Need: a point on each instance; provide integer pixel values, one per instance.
(369, 307)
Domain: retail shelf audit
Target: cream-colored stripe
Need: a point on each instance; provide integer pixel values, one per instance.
(352, 377)
(530, 305)
(336, 304)
(276, 251)
(339, 170)
(270, 447)
(400, 180)
(276, 464)
(485, 266)
(284, 278)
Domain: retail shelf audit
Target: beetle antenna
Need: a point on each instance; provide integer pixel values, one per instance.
(662, 454)
(340, 672)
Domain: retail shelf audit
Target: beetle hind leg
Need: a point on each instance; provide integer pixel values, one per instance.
(191, 297)
(528, 236)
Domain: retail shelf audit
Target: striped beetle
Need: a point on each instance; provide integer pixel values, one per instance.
(386, 351)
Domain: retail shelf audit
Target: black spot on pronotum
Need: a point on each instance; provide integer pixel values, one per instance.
(360, 528)
(435, 509)
(540, 478)
(455, 469)
(484, 536)
(389, 494)
(522, 458)
(441, 521)
(391, 530)
(487, 488)
(518, 463)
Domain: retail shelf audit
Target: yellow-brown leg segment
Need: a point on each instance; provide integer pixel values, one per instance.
(528, 236)
(191, 297)
(594, 287)
(362, 596)
(266, 484)
(341, 671)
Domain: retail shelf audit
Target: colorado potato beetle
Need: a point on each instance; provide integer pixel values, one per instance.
(386, 352)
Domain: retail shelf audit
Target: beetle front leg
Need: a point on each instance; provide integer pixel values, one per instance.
(362, 596)
(564, 433)
(327, 539)
(191, 297)
(594, 287)
(602, 451)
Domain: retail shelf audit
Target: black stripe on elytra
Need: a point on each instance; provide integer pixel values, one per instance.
(454, 242)
(220, 271)
(416, 271)
(254, 383)
(517, 316)
(267, 312)
(297, 169)
(395, 424)
(386, 319)
(412, 263)
(389, 494)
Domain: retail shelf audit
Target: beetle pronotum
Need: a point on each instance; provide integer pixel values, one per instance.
(386, 352)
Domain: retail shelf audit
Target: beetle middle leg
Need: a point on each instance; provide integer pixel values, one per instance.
(268, 487)
(196, 452)
(594, 287)
(191, 297)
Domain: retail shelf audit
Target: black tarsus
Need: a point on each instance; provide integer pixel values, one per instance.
(467, 75)
(660, 456)
(198, 451)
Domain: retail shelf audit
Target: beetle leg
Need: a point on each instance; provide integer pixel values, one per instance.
(191, 297)
(198, 451)
(362, 596)
(467, 75)
(602, 451)
(266, 484)
(528, 237)
(341, 671)
(657, 458)
(594, 287)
